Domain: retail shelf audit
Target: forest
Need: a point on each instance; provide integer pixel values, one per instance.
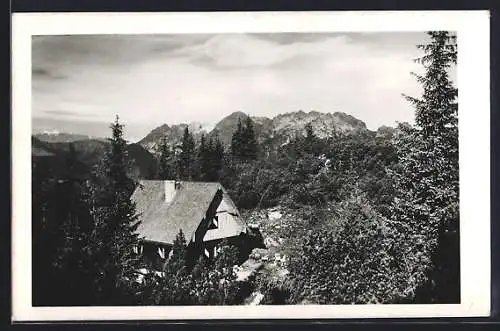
(379, 214)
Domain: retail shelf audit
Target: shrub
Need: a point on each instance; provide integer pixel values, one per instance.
(358, 264)
(276, 291)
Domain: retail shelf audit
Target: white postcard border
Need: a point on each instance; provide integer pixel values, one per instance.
(472, 29)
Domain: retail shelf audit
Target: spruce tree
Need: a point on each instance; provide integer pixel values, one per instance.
(237, 141)
(113, 263)
(211, 161)
(250, 147)
(426, 208)
(203, 159)
(175, 284)
(218, 158)
(244, 142)
(187, 155)
(166, 168)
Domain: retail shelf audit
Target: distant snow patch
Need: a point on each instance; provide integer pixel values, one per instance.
(51, 132)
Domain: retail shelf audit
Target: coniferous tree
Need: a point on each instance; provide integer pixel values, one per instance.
(244, 142)
(211, 172)
(187, 155)
(113, 263)
(250, 147)
(203, 157)
(218, 158)
(75, 226)
(175, 285)
(427, 201)
(166, 164)
(305, 144)
(237, 141)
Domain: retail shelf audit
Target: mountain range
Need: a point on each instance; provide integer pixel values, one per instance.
(53, 147)
(54, 155)
(276, 130)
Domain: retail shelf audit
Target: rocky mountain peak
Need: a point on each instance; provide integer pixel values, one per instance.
(225, 128)
(323, 124)
(173, 135)
(278, 129)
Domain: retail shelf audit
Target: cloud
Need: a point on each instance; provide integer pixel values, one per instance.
(68, 113)
(286, 38)
(150, 80)
(247, 51)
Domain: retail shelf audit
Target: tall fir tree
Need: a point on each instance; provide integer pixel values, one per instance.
(218, 158)
(187, 156)
(112, 260)
(250, 146)
(166, 169)
(244, 142)
(203, 159)
(426, 207)
(237, 141)
(175, 284)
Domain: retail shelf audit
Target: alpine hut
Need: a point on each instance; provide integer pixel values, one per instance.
(203, 211)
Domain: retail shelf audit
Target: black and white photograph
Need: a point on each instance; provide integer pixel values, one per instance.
(246, 169)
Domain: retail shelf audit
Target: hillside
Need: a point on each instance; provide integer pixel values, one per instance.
(62, 137)
(54, 155)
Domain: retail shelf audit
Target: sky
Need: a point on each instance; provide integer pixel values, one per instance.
(80, 82)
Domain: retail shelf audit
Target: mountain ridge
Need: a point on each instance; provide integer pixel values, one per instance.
(275, 130)
(279, 128)
(89, 153)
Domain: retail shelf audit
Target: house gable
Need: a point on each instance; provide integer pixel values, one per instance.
(203, 211)
(163, 217)
(228, 222)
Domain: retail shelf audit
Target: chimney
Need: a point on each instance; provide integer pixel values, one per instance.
(169, 190)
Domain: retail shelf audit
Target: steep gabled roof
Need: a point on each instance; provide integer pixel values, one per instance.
(160, 220)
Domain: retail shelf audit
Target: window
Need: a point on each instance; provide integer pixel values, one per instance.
(211, 252)
(161, 252)
(138, 249)
(214, 224)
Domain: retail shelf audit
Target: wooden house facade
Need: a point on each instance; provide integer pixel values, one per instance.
(203, 211)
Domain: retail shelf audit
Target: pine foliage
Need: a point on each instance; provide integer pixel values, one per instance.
(110, 250)
(187, 156)
(166, 169)
(427, 180)
(244, 146)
